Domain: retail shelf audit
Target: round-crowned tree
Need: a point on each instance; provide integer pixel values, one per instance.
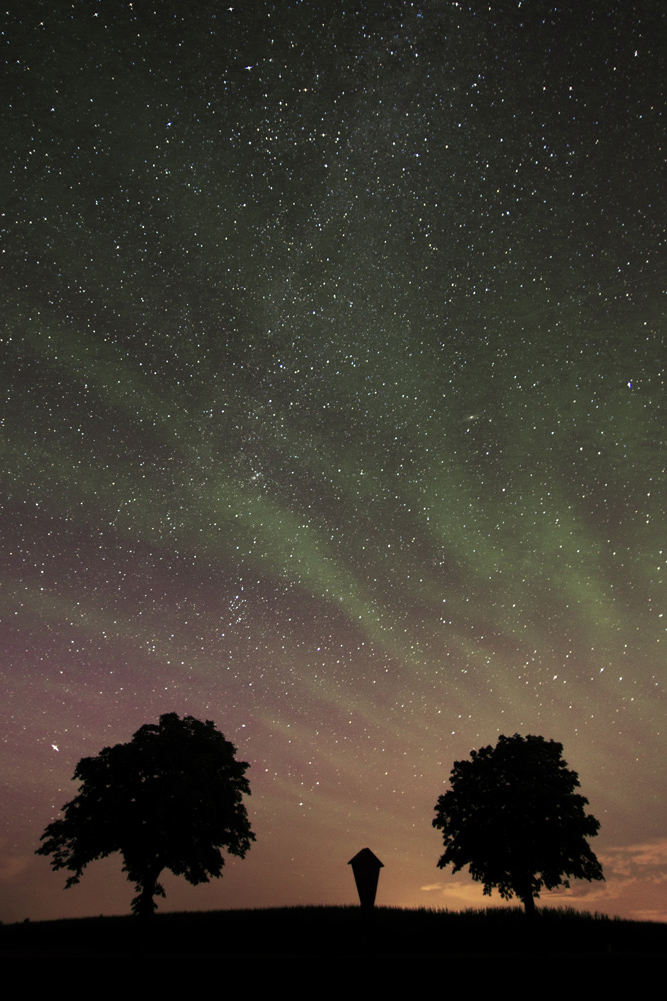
(513, 817)
(171, 798)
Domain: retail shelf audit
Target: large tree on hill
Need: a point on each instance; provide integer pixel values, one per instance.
(512, 815)
(171, 798)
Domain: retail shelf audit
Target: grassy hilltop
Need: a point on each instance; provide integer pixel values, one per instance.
(339, 932)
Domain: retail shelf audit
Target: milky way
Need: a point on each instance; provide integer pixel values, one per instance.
(334, 412)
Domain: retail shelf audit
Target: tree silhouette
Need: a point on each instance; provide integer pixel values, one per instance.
(513, 817)
(171, 798)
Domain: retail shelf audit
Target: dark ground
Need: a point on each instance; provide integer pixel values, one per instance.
(340, 932)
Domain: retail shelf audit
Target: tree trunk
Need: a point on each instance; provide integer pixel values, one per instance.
(145, 905)
(529, 903)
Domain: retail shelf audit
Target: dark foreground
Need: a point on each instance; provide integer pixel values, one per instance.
(339, 932)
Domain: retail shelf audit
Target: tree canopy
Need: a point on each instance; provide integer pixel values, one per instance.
(512, 815)
(171, 798)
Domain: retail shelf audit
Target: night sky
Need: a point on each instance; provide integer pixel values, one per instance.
(334, 411)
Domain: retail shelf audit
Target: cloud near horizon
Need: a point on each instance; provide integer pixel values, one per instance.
(645, 861)
(633, 873)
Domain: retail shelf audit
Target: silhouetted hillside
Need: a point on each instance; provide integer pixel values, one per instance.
(339, 932)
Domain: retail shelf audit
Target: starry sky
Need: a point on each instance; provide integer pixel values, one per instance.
(334, 411)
